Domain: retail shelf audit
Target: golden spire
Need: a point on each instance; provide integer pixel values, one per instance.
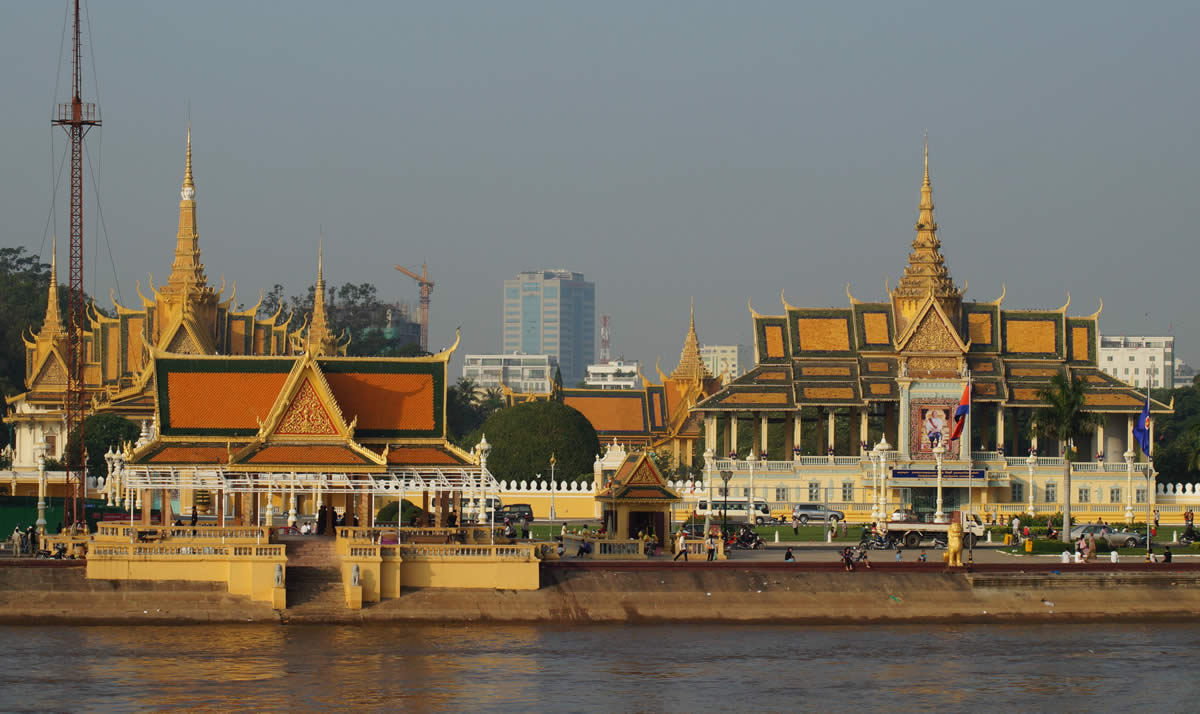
(690, 364)
(187, 272)
(320, 341)
(52, 326)
(926, 273)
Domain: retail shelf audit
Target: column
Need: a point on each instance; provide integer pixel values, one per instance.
(147, 503)
(220, 506)
(1000, 437)
(733, 432)
(167, 516)
(763, 432)
(830, 420)
(710, 433)
(797, 430)
(1130, 419)
(425, 508)
(1146, 457)
(902, 444)
(1100, 440)
(864, 436)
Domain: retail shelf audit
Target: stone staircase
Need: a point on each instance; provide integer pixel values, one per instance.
(314, 579)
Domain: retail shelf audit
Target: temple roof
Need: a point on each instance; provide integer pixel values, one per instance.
(638, 480)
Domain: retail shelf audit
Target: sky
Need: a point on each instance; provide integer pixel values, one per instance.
(667, 150)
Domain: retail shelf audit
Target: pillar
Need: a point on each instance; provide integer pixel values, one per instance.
(348, 518)
(710, 433)
(1100, 440)
(425, 508)
(147, 504)
(797, 430)
(1129, 445)
(220, 506)
(763, 421)
(864, 426)
(1000, 436)
(830, 417)
(167, 515)
(733, 432)
(458, 506)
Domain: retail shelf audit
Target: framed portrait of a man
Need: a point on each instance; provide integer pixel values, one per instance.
(935, 428)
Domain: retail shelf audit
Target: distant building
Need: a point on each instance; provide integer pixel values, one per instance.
(1139, 361)
(614, 375)
(518, 372)
(731, 359)
(1184, 374)
(552, 312)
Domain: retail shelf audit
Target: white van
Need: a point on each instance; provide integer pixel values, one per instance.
(734, 509)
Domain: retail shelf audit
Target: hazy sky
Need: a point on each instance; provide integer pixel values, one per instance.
(725, 150)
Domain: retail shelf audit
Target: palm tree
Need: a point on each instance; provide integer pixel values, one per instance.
(1063, 419)
(490, 401)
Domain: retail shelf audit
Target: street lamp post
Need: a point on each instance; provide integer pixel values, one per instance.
(41, 504)
(725, 476)
(750, 512)
(1129, 455)
(553, 461)
(875, 457)
(1030, 462)
(939, 453)
(883, 447)
(708, 459)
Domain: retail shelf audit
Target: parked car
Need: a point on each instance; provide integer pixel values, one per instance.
(1118, 538)
(805, 512)
(514, 511)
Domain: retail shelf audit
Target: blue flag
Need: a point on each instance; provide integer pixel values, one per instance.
(1141, 429)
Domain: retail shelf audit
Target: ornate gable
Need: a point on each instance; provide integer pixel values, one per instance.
(51, 374)
(306, 416)
(305, 407)
(931, 331)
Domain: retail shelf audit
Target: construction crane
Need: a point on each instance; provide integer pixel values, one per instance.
(426, 288)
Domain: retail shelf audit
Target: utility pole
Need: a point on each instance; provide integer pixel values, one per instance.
(76, 118)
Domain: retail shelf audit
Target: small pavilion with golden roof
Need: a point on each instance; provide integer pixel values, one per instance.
(637, 499)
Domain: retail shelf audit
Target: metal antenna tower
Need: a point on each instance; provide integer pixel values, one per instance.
(77, 118)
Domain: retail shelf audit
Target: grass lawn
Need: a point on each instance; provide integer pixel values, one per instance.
(1055, 547)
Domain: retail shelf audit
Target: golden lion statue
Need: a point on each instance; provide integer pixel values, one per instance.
(954, 546)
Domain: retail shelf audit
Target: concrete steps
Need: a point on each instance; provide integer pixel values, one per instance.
(314, 578)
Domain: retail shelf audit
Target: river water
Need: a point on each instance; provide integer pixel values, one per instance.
(685, 668)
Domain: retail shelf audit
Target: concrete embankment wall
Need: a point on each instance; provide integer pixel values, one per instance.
(44, 591)
(649, 593)
(778, 595)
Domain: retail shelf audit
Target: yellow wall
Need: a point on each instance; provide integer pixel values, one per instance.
(475, 574)
(254, 578)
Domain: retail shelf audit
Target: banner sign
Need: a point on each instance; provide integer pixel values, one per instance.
(932, 474)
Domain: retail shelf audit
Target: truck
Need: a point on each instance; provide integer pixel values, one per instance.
(911, 531)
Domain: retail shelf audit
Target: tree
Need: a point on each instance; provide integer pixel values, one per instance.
(23, 285)
(1063, 419)
(100, 433)
(524, 436)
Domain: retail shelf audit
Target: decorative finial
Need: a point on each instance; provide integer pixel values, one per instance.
(926, 182)
(189, 189)
(52, 325)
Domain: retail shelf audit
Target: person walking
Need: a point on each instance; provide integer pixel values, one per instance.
(525, 527)
(710, 545)
(680, 546)
(795, 525)
(1016, 528)
(195, 516)
(1156, 519)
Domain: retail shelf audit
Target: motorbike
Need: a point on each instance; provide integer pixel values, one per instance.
(1190, 535)
(60, 553)
(877, 542)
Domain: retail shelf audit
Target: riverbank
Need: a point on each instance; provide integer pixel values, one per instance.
(46, 592)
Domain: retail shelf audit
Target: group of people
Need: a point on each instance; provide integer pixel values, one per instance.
(25, 541)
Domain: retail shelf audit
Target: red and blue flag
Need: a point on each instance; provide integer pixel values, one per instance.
(1141, 428)
(960, 414)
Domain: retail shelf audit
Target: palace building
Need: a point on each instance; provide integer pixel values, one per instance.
(184, 316)
(831, 383)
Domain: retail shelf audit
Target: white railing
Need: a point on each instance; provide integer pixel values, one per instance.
(156, 551)
(985, 456)
(464, 552)
(564, 488)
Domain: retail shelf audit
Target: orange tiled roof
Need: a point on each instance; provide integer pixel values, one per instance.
(609, 413)
(421, 455)
(221, 400)
(381, 401)
(191, 455)
(284, 454)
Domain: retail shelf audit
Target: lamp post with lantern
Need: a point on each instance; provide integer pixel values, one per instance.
(939, 452)
(553, 488)
(725, 476)
(1030, 463)
(40, 451)
(883, 447)
(1129, 456)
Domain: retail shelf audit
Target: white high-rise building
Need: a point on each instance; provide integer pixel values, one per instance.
(614, 375)
(1139, 361)
(732, 359)
(552, 312)
(527, 374)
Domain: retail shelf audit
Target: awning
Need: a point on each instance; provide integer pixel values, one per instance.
(392, 482)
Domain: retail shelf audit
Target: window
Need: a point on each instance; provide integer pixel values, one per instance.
(745, 492)
(814, 491)
(1085, 495)
(1018, 493)
(1139, 495)
(1050, 491)
(1114, 495)
(780, 493)
(51, 446)
(848, 491)
(1151, 358)
(722, 492)
(1110, 358)
(1131, 358)
(1136, 370)
(1126, 370)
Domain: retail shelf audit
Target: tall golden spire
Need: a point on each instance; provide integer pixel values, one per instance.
(690, 364)
(320, 340)
(52, 326)
(187, 272)
(926, 273)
